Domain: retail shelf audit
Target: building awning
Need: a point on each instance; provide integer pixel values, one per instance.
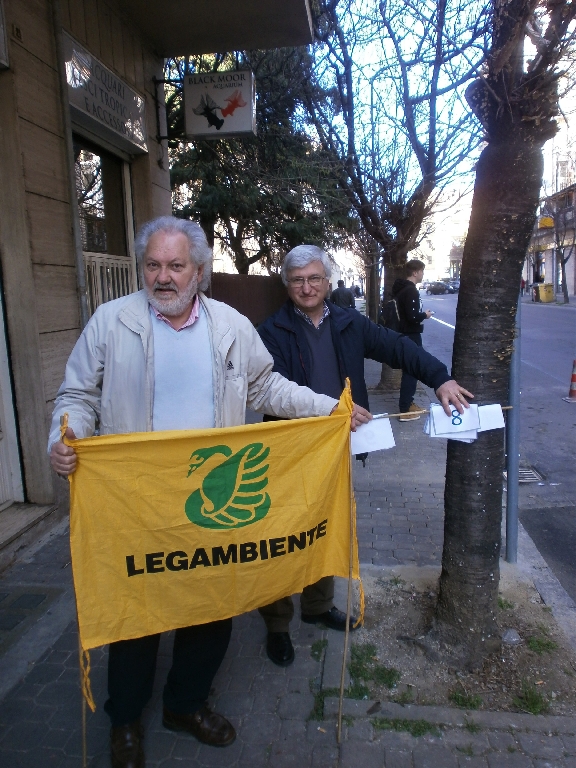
(181, 27)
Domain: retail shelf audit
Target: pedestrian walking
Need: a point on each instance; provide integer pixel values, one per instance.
(412, 315)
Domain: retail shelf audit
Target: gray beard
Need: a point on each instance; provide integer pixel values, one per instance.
(174, 306)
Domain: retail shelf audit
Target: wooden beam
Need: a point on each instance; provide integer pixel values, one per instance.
(20, 299)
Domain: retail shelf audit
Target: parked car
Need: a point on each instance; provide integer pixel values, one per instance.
(437, 288)
(453, 286)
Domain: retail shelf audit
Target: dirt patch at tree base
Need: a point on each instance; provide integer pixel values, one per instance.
(536, 676)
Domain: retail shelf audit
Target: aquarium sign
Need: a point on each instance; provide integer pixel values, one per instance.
(219, 105)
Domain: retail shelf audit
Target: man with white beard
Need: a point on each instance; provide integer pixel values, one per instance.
(167, 357)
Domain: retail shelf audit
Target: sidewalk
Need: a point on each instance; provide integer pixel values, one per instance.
(400, 509)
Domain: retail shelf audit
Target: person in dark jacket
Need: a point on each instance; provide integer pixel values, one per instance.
(412, 316)
(343, 297)
(316, 343)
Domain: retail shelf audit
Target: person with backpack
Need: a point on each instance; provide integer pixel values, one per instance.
(407, 304)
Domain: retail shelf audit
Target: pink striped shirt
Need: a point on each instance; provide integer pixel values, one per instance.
(191, 320)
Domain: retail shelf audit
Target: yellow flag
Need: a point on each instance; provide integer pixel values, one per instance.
(171, 529)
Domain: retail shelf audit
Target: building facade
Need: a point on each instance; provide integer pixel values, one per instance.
(554, 241)
(82, 165)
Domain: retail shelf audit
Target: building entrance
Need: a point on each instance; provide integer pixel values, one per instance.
(103, 193)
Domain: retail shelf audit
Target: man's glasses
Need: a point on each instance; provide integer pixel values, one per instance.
(314, 281)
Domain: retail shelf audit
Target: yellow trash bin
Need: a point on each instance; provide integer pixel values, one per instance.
(547, 292)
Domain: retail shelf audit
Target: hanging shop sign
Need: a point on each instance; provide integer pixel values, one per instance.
(102, 102)
(219, 105)
(3, 42)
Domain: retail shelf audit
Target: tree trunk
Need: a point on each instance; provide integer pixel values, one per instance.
(563, 262)
(390, 377)
(373, 286)
(500, 227)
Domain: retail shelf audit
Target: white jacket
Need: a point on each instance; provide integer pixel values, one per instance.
(109, 379)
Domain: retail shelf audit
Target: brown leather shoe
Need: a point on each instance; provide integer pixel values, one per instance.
(207, 726)
(126, 746)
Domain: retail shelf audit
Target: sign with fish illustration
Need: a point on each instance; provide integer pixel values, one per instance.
(219, 105)
(170, 529)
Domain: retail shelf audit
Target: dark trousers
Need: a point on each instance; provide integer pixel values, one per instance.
(408, 383)
(316, 598)
(196, 657)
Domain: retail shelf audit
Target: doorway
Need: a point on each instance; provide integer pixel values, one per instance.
(11, 487)
(104, 196)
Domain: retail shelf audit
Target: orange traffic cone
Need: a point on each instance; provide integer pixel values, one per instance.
(572, 391)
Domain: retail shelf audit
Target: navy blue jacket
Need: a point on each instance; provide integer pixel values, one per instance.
(355, 337)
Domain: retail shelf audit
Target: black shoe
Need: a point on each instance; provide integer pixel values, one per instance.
(279, 648)
(207, 726)
(126, 746)
(333, 619)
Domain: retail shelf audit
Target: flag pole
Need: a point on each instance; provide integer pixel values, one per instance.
(348, 605)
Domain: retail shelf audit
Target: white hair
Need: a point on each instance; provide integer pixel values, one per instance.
(303, 255)
(200, 251)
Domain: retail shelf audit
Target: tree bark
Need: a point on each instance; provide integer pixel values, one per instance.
(500, 227)
(390, 378)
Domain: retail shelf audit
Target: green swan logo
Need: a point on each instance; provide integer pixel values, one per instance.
(231, 493)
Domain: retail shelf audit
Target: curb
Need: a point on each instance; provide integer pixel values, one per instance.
(455, 718)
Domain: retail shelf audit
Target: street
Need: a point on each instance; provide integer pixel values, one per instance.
(547, 436)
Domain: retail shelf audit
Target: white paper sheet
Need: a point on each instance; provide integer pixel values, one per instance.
(376, 435)
(448, 426)
(491, 417)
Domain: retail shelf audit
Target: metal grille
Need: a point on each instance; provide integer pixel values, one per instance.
(527, 475)
(107, 277)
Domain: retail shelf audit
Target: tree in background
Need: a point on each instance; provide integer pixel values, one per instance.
(263, 195)
(394, 127)
(515, 98)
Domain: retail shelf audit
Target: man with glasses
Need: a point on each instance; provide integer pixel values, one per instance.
(317, 344)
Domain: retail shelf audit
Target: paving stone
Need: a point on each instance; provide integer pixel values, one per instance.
(433, 756)
(383, 545)
(539, 745)
(385, 560)
(397, 758)
(568, 741)
(159, 745)
(55, 739)
(295, 706)
(472, 762)
(261, 729)
(185, 747)
(14, 710)
(354, 754)
(253, 755)
(22, 735)
(56, 693)
(265, 702)
(463, 739)
(240, 683)
(294, 730)
(296, 755)
(321, 733)
(246, 667)
(325, 757)
(273, 683)
(501, 741)
(214, 757)
(362, 730)
(232, 704)
(509, 760)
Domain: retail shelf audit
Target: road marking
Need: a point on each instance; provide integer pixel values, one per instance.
(537, 367)
(542, 370)
(443, 323)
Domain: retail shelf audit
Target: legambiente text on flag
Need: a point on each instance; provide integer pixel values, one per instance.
(171, 529)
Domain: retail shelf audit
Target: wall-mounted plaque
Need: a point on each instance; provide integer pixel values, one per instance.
(3, 41)
(219, 105)
(102, 102)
